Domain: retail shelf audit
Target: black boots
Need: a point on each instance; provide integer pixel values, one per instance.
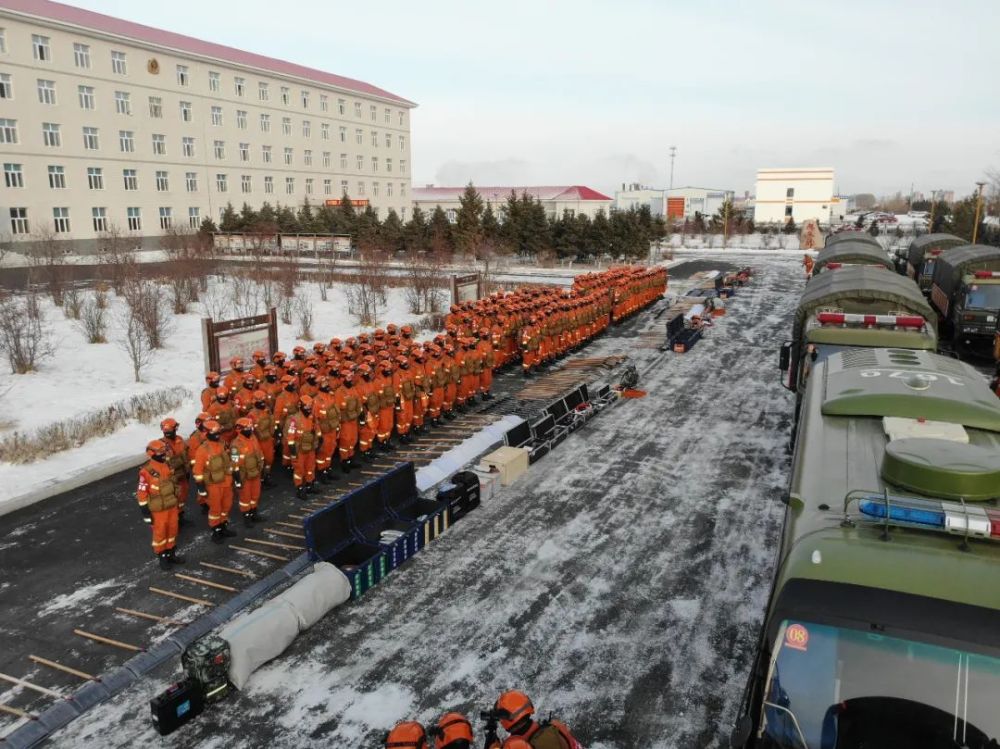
(487, 396)
(325, 477)
(174, 557)
(300, 492)
(311, 488)
(248, 518)
(256, 516)
(181, 520)
(266, 481)
(346, 465)
(164, 561)
(217, 537)
(226, 532)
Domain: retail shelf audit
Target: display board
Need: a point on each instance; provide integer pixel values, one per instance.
(240, 337)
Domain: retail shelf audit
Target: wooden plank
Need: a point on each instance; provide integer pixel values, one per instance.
(259, 553)
(297, 526)
(274, 544)
(297, 536)
(28, 685)
(151, 617)
(17, 712)
(207, 583)
(223, 568)
(107, 640)
(60, 667)
(181, 597)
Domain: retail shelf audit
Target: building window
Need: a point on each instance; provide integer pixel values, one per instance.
(359, 136)
(342, 106)
(374, 189)
(307, 157)
(162, 182)
(46, 91)
(194, 218)
(361, 162)
(324, 131)
(217, 116)
(402, 189)
(373, 112)
(244, 152)
(134, 219)
(126, 141)
(3, 42)
(374, 139)
(241, 119)
(343, 135)
(118, 63)
(182, 75)
(326, 159)
(185, 111)
(357, 109)
(402, 211)
(309, 186)
(131, 179)
(361, 188)
(90, 139)
(19, 220)
(219, 149)
(100, 219)
(60, 217)
(343, 161)
(288, 156)
(86, 94)
(191, 181)
(262, 91)
(95, 178)
(343, 186)
(452, 215)
(124, 106)
(187, 146)
(788, 211)
(166, 217)
(265, 123)
(81, 55)
(159, 145)
(268, 185)
(246, 183)
(240, 86)
(402, 143)
(790, 192)
(284, 94)
(40, 48)
(388, 116)
(388, 140)
(221, 182)
(324, 103)
(6, 90)
(388, 189)
(290, 185)
(12, 175)
(374, 163)
(265, 154)
(402, 166)
(57, 178)
(401, 116)
(388, 165)
(305, 100)
(328, 187)
(8, 131)
(286, 125)
(156, 107)
(306, 129)
(213, 81)
(50, 134)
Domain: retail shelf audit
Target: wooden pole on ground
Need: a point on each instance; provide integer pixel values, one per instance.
(257, 552)
(17, 712)
(276, 545)
(207, 583)
(108, 640)
(181, 597)
(28, 685)
(60, 667)
(223, 568)
(151, 617)
(286, 534)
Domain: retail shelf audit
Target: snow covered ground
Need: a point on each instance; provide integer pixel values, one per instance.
(82, 377)
(621, 582)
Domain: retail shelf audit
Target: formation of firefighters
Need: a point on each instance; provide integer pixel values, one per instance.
(513, 710)
(325, 406)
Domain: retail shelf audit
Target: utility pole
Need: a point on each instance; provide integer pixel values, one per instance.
(979, 209)
(930, 224)
(725, 224)
(673, 153)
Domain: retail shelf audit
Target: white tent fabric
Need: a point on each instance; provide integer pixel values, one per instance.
(312, 597)
(469, 451)
(257, 637)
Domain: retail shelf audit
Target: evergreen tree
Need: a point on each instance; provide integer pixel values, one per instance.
(288, 223)
(599, 241)
(326, 219)
(510, 230)
(963, 216)
(391, 232)
(440, 233)
(230, 220)
(416, 234)
(468, 231)
(698, 223)
(941, 212)
(207, 228)
(491, 227)
(345, 216)
(267, 214)
(248, 216)
(790, 227)
(307, 219)
(366, 228)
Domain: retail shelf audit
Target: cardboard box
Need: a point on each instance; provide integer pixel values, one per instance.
(510, 462)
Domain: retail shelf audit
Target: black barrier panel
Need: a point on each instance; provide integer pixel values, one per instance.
(543, 429)
(603, 392)
(585, 393)
(399, 486)
(675, 326)
(328, 530)
(366, 505)
(519, 435)
(557, 409)
(574, 399)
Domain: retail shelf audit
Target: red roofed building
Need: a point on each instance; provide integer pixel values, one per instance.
(577, 199)
(117, 124)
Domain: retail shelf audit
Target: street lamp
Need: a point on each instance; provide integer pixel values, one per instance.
(930, 224)
(979, 208)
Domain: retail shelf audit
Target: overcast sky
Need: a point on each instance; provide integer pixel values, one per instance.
(888, 92)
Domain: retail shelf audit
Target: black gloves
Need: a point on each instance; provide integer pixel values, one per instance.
(147, 516)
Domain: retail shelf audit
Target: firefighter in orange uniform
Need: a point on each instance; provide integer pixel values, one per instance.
(248, 470)
(264, 430)
(516, 715)
(452, 377)
(349, 403)
(178, 460)
(405, 391)
(463, 373)
(223, 412)
(807, 264)
(271, 385)
(302, 437)
(259, 365)
(213, 475)
(407, 735)
(310, 384)
(328, 420)
(234, 379)
(368, 425)
(487, 355)
(416, 359)
(196, 440)
(530, 337)
(212, 384)
(435, 378)
(286, 405)
(157, 496)
(452, 731)
(386, 405)
(243, 400)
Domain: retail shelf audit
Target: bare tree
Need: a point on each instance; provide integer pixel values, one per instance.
(288, 275)
(6, 245)
(24, 337)
(244, 294)
(93, 321)
(366, 293)
(425, 281)
(148, 304)
(133, 340)
(304, 313)
(182, 268)
(72, 303)
(260, 241)
(48, 256)
(101, 295)
(285, 309)
(116, 248)
(216, 300)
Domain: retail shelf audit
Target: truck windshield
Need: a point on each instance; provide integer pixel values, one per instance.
(837, 688)
(982, 296)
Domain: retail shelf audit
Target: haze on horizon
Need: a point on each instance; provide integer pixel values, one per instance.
(890, 94)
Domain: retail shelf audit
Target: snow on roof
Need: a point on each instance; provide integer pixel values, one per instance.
(500, 194)
(67, 14)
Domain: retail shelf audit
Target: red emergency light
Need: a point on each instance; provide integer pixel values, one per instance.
(987, 274)
(871, 321)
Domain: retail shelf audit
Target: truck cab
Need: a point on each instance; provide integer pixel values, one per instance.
(966, 293)
(882, 625)
(923, 252)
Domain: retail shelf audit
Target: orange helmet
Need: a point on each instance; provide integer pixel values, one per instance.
(244, 423)
(365, 370)
(213, 427)
(306, 401)
(379, 333)
(259, 395)
(156, 447)
(516, 742)
(407, 331)
(391, 329)
(259, 356)
(451, 730)
(201, 418)
(278, 356)
(299, 351)
(212, 377)
(221, 393)
(319, 348)
(236, 363)
(169, 425)
(407, 735)
(514, 707)
(249, 379)
(336, 343)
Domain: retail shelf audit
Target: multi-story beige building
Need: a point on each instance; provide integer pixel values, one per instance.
(797, 194)
(107, 123)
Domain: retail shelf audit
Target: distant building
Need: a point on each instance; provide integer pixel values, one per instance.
(797, 194)
(676, 203)
(576, 199)
(636, 195)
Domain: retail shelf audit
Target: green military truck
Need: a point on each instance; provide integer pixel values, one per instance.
(883, 625)
(851, 252)
(852, 236)
(855, 307)
(923, 253)
(966, 293)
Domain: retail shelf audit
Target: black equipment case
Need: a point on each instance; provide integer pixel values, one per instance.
(181, 703)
